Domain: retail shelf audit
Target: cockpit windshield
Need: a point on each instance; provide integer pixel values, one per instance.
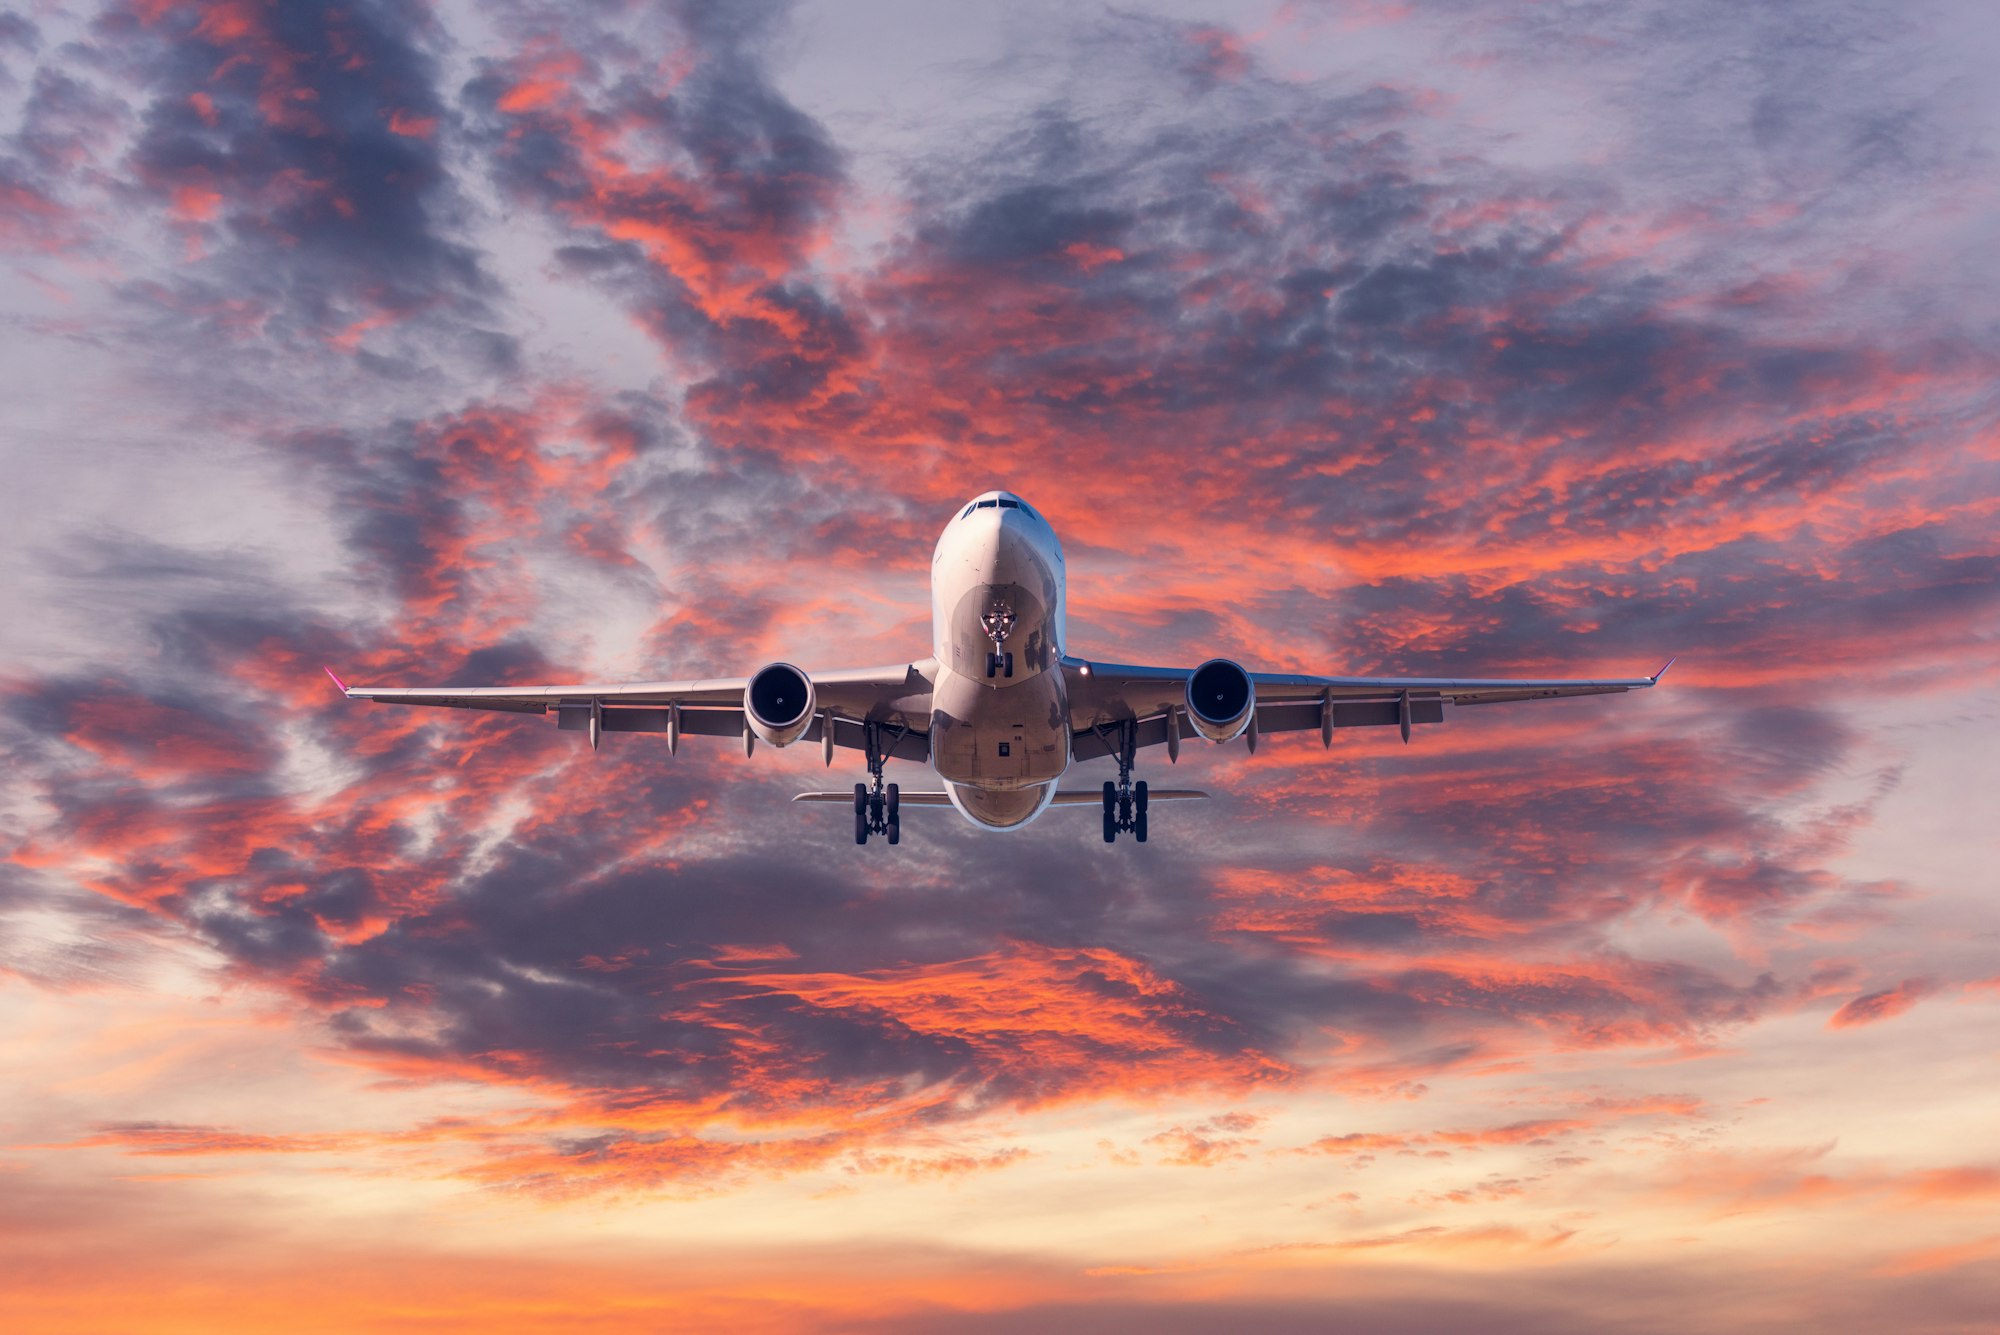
(1000, 503)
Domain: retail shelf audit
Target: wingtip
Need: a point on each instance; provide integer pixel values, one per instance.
(336, 678)
(1663, 668)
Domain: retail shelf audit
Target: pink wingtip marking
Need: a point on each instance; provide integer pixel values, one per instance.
(336, 680)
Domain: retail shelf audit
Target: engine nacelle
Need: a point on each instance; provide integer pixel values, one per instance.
(778, 703)
(1221, 699)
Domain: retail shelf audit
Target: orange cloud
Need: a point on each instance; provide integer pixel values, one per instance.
(1950, 1256)
(1043, 1022)
(1216, 1140)
(1942, 1186)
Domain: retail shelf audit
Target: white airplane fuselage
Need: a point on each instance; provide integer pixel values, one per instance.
(1000, 731)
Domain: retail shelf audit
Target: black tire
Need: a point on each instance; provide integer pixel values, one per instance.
(1139, 811)
(860, 799)
(1110, 798)
(895, 804)
(860, 827)
(895, 828)
(1110, 828)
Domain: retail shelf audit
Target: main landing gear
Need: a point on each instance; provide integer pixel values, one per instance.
(876, 807)
(1125, 801)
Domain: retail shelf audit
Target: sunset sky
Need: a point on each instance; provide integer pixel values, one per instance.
(514, 342)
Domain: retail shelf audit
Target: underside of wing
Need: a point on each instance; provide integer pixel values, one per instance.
(893, 701)
(1120, 705)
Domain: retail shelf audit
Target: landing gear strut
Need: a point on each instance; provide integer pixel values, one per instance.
(1125, 801)
(998, 623)
(877, 808)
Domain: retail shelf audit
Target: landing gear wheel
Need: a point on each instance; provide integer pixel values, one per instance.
(1124, 801)
(878, 806)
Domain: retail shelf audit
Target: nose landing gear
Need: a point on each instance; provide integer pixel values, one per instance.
(998, 623)
(1125, 801)
(877, 808)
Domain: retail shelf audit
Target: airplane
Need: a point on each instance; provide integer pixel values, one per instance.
(1000, 709)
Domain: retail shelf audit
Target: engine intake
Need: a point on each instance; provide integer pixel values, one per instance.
(778, 703)
(1220, 700)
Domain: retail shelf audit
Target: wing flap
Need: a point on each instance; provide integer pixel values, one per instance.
(696, 721)
(1304, 715)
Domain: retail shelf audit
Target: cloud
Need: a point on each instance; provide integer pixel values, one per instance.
(1871, 1007)
(694, 190)
(1212, 1141)
(300, 156)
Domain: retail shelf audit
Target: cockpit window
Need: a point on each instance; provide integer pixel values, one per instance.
(999, 503)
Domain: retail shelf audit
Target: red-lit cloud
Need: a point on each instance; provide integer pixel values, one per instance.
(1871, 1007)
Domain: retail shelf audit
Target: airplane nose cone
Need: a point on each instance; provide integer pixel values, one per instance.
(1001, 545)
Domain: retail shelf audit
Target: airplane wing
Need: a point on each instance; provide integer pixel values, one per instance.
(1106, 696)
(897, 699)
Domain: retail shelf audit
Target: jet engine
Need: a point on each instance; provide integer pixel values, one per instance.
(778, 702)
(1220, 700)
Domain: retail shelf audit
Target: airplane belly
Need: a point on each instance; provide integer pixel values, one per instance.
(998, 809)
(1000, 739)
